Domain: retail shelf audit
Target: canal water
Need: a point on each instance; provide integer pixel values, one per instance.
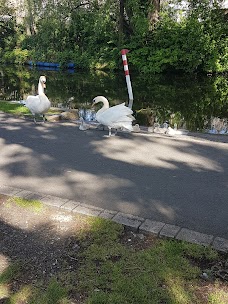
(188, 101)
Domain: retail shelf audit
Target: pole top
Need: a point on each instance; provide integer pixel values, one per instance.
(124, 51)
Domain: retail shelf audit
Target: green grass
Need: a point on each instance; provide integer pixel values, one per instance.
(111, 271)
(13, 108)
(18, 109)
(54, 294)
(10, 273)
(29, 294)
(218, 297)
(36, 206)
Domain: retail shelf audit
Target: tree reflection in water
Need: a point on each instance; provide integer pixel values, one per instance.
(186, 101)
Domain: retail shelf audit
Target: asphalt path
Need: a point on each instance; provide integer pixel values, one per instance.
(177, 180)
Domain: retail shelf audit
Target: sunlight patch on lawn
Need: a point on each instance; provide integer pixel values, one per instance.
(36, 206)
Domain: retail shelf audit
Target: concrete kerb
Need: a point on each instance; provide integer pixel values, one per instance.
(129, 221)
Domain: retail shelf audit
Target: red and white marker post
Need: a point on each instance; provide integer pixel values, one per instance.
(128, 80)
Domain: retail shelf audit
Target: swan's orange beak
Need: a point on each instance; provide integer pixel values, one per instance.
(44, 85)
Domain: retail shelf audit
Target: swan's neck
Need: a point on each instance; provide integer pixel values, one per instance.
(40, 88)
(105, 105)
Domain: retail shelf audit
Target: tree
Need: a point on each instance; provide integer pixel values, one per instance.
(7, 24)
(30, 17)
(153, 13)
(121, 21)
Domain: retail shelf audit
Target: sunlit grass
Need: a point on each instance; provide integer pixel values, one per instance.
(22, 296)
(34, 205)
(218, 297)
(30, 294)
(18, 109)
(4, 291)
(13, 108)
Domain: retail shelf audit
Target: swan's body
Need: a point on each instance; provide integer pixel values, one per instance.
(116, 117)
(39, 104)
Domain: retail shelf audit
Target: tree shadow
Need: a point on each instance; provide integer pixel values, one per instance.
(181, 181)
(37, 255)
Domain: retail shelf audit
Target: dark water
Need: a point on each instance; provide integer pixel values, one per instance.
(190, 101)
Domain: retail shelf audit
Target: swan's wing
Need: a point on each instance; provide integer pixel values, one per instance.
(38, 104)
(116, 114)
(125, 122)
(31, 103)
(30, 99)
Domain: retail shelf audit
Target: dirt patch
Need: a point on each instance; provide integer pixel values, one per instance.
(138, 241)
(44, 242)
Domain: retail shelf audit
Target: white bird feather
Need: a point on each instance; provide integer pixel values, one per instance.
(39, 104)
(116, 117)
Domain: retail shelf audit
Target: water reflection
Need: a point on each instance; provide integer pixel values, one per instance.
(189, 101)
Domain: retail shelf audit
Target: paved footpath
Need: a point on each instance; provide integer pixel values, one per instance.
(170, 186)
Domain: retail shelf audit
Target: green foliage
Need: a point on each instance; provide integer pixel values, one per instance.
(7, 25)
(191, 45)
(194, 40)
(17, 56)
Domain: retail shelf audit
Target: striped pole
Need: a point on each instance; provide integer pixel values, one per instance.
(128, 80)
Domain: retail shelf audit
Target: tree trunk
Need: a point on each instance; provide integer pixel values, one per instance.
(121, 21)
(153, 14)
(30, 26)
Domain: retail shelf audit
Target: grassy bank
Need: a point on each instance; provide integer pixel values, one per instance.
(13, 108)
(20, 110)
(50, 256)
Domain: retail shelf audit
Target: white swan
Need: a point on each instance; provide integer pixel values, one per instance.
(39, 104)
(116, 117)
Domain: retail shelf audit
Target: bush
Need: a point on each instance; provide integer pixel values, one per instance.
(17, 56)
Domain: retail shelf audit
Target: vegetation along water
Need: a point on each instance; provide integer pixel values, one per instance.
(187, 100)
(178, 55)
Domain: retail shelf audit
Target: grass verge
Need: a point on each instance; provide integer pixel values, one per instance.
(13, 108)
(18, 109)
(102, 263)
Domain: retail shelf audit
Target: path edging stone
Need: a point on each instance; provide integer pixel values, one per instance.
(129, 221)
